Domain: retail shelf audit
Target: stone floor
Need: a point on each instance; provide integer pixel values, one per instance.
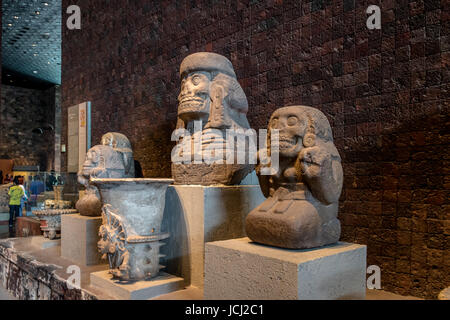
(52, 256)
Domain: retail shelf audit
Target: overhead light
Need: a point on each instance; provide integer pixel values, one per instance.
(33, 45)
(34, 71)
(9, 24)
(16, 17)
(37, 12)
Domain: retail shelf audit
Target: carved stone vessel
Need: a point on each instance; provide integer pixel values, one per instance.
(302, 195)
(111, 159)
(210, 105)
(50, 216)
(51, 221)
(130, 235)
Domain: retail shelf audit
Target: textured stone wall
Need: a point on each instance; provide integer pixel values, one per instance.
(384, 91)
(21, 111)
(28, 279)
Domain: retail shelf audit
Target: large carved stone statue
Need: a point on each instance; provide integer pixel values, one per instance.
(302, 196)
(210, 93)
(111, 159)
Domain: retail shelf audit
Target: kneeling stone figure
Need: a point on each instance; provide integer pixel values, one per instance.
(302, 196)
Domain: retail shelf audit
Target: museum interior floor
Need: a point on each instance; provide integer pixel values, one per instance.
(52, 256)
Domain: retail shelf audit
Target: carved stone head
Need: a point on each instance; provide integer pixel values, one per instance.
(121, 144)
(299, 127)
(210, 92)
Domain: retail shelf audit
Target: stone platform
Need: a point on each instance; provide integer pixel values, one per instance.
(44, 243)
(194, 215)
(243, 270)
(136, 290)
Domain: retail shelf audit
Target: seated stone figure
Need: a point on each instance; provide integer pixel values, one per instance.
(112, 159)
(210, 104)
(302, 196)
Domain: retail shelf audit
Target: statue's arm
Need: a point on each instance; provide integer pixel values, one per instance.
(322, 172)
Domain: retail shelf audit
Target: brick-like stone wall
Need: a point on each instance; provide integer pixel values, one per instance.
(384, 91)
(22, 110)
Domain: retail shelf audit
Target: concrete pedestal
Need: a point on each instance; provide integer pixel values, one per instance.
(79, 237)
(44, 243)
(197, 214)
(138, 290)
(243, 270)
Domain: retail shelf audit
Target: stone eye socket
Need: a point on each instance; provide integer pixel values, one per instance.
(196, 80)
(274, 123)
(292, 121)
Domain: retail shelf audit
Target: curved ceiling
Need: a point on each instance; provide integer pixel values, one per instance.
(31, 38)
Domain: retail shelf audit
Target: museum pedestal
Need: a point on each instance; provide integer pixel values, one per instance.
(43, 243)
(243, 270)
(79, 237)
(197, 214)
(136, 290)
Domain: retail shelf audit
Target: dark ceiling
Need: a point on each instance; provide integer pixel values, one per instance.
(31, 42)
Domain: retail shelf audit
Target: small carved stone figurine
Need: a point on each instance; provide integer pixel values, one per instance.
(302, 197)
(111, 159)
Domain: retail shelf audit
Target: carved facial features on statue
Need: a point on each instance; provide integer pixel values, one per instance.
(94, 159)
(194, 98)
(292, 126)
(103, 162)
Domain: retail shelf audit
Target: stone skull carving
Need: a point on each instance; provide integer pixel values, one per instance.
(302, 205)
(111, 159)
(210, 93)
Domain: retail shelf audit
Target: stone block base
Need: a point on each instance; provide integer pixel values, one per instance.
(79, 237)
(44, 243)
(138, 290)
(194, 215)
(243, 270)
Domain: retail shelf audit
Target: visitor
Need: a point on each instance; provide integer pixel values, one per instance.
(24, 198)
(15, 194)
(51, 181)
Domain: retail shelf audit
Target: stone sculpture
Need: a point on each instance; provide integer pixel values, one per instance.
(112, 159)
(50, 216)
(210, 93)
(130, 235)
(302, 197)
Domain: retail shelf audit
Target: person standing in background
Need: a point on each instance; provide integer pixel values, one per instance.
(24, 198)
(15, 194)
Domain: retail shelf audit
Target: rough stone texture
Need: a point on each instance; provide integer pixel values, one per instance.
(21, 111)
(79, 237)
(243, 270)
(384, 91)
(195, 215)
(130, 234)
(211, 96)
(28, 279)
(304, 188)
(138, 290)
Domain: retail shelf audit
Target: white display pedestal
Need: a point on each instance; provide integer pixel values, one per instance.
(243, 270)
(197, 214)
(79, 237)
(44, 243)
(137, 290)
